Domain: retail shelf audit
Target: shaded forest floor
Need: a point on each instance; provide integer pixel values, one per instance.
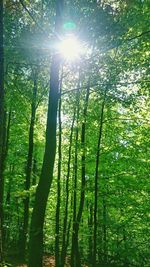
(48, 261)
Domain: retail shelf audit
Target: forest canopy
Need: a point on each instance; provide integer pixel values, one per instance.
(74, 133)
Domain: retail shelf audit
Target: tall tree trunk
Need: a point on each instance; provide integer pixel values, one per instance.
(104, 230)
(90, 224)
(1, 128)
(34, 170)
(64, 242)
(57, 253)
(76, 261)
(96, 182)
(8, 201)
(74, 242)
(125, 247)
(83, 180)
(28, 171)
(6, 130)
(42, 192)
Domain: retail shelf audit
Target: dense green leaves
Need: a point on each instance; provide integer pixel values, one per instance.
(116, 61)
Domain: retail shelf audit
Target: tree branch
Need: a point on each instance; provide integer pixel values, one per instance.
(137, 36)
(103, 84)
(32, 17)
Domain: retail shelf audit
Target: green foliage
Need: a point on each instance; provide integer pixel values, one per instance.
(116, 33)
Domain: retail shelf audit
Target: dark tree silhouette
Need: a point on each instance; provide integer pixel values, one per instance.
(37, 221)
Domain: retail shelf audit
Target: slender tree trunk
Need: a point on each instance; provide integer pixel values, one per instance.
(124, 239)
(75, 255)
(96, 182)
(90, 224)
(104, 230)
(1, 128)
(7, 203)
(74, 242)
(57, 253)
(126, 264)
(83, 181)
(36, 231)
(8, 195)
(68, 235)
(28, 172)
(34, 170)
(6, 130)
(64, 243)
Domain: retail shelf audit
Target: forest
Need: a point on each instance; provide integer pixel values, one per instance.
(74, 133)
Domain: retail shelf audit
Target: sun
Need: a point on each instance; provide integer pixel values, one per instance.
(70, 48)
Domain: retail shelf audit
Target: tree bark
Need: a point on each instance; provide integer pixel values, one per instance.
(96, 182)
(76, 260)
(104, 230)
(74, 242)
(28, 172)
(90, 225)
(6, 130)
(83, 180)
(43, 188)
(7, 203)
(64, 242)
(57, 253)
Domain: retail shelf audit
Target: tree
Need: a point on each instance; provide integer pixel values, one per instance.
(74, 244)
(65, 220)
(28, 170)
(57, 237)
(36, 231)
(96, 180)
(76, 256)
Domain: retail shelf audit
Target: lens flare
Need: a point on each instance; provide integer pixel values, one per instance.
(70, 48)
